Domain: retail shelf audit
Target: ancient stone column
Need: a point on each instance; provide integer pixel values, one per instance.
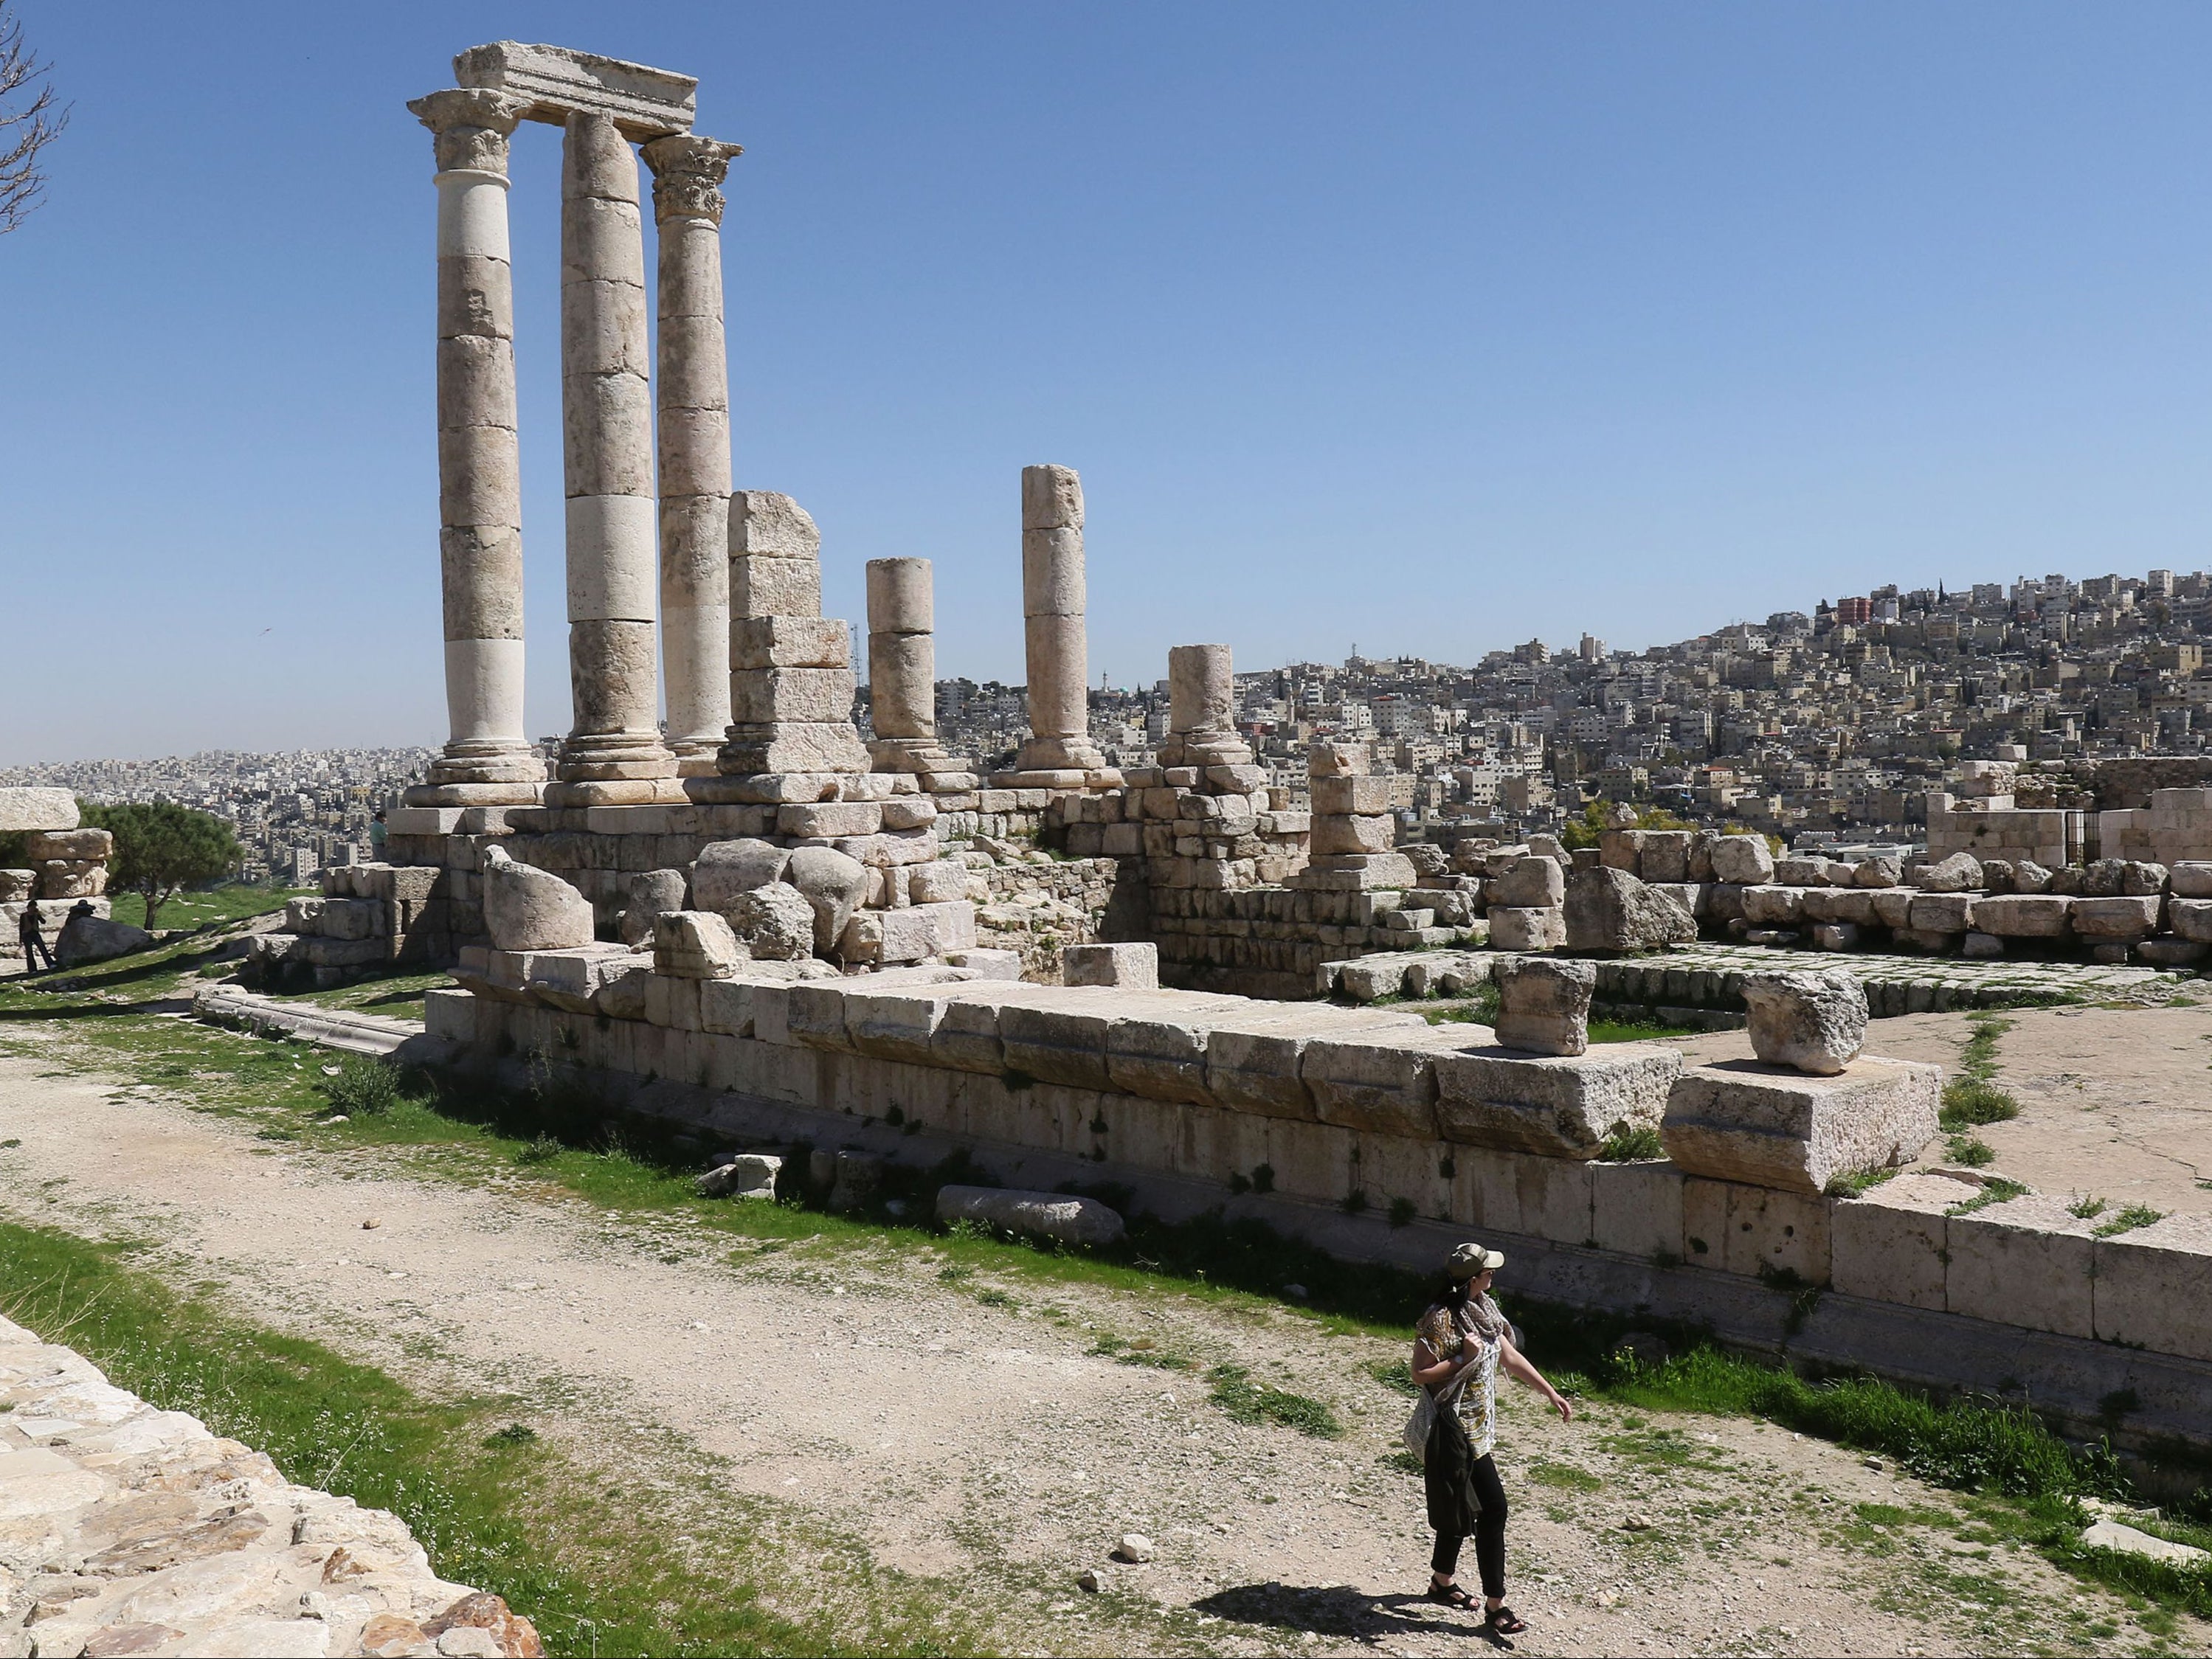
(1052, 624)
(692, 389)
(902, 651)
(614, 746)
(488, 759)
(1202, 714)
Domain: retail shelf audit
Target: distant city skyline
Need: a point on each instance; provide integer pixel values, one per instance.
(1434, 329)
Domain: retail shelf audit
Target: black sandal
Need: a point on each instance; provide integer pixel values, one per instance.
(1504, 1621)
(1450, 1595)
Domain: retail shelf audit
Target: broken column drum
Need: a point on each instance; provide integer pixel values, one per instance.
(607, 418)
(1053, 624)
(692, 389)
(487, 758)
(1202, 708)
(902, 650)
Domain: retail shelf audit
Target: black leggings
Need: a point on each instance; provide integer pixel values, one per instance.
(1489, 1533)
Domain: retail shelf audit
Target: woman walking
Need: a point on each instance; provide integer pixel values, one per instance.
(1459, 1344)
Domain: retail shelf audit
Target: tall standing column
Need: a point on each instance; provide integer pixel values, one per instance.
(1052, 629)
(488, 759)
(692, 389)
(614, 749)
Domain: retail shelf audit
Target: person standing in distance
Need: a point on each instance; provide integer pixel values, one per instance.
(1459, 1344)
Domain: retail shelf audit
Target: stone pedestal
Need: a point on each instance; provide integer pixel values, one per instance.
(1353, 834)
(1058, 753)
(487, 760)
(614, 755)
(693, 393)
(1768, 1126)
(902, 677)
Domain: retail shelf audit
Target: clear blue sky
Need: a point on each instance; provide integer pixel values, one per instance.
(1429, 328)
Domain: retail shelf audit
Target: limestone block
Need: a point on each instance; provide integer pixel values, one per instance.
(1814, 1022)
(2192, 918)
(531, 910)
(763, 586)
(1337, 833)
(938, 881)
(1881, 870)
(2024, 1262)
(1942, 913)
(2153, 1287)
(966, 1037)
(1555, 1106)
(1741, 1229)
(694, 944)
(646, 895)
(1744, 1120)
(773, 640)
(16, 885)
(1536, 929)
(351, 919)
(1744, 859)
(1621, 849)
(1071, 1220)
(1063, 1042)
(1801, 872)
(671, 1000)
(1382, 1082)
(814, 1015)
(1254, 1061)
(987, 964)
(1893, 905)
(2126, 918)
(1326, 758)
(1135, 967)
(909, 812)
(773, 696)
(775, 923)
(2023, 915)
(1532, 884)
(1888, 1243)
(1610, 910)
(1961, 872)
(832, 883)
(1842, 936)
(803, 748)
(1160, 1054)
(571, 981)
(1665, 856)
(36, 809)
(1636, 1208)
(64, 879)
(830, 818)
(1773, 907)
(1544, 1003)
(75, 845)
(2191, 879)
(1358, 795)
(1547, 1198)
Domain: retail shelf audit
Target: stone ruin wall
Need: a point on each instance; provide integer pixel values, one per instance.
(1378, 1136)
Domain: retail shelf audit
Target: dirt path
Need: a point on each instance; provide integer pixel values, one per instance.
(2115, 1102)
(988, 1445)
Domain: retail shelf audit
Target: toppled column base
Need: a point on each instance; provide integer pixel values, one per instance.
(1768, 1126)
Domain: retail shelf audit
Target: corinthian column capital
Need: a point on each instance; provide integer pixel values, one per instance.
(687, 172)
(470, 126)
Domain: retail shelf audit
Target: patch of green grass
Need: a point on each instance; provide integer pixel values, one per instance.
(2134, 1216)
(1969, 1101)
(1851, 1186)
(501, 1511)
(1248, 1401)
(366, 1086)
(1633, 1031)
(1965, 1149)
(1628, 1146)
(233, 903)
(1996, 1190)
(1140, 1351)
(1565, 1476)
(1394, 1375)
(2084, 1209)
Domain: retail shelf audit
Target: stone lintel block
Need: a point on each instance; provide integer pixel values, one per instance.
(1342, 833)
(2025, 915)
(777, 641)
(2154, 1286)
(1555, 1106)
(2128, 917)
(1746, 1229)
(1382, 1082)
(1636, 1208)
(1889, 1241)
(1744, 1121)
(2026, 1262)
(807, 749)
(814, 1015)
(1254, 1061)
(75, 846)
(966, 1038)
(643, 103)
(1162, 1053)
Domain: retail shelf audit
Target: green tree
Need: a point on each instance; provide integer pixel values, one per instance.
(163, 847)
(1578, 833)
